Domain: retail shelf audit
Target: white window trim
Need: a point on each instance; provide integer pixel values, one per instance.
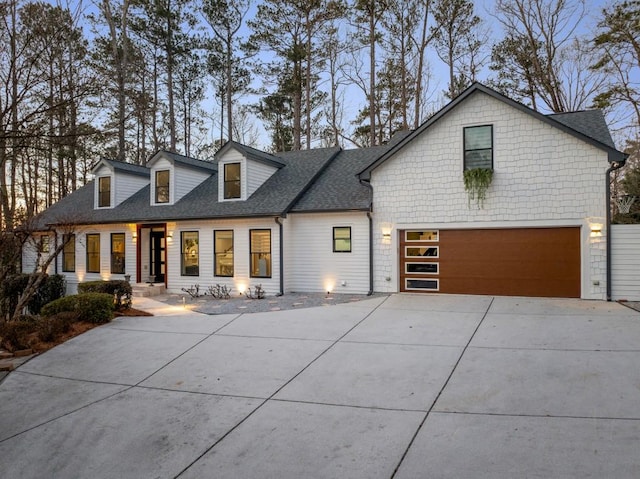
(171, 186)
(406, 255)
(243, 179)
(407, 288)
(406, 269)
(112, 195)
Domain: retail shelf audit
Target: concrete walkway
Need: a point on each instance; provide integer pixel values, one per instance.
(406, 386)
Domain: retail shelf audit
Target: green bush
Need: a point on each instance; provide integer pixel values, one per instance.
(91, 307)
(119, 289)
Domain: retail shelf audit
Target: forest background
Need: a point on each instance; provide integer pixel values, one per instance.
(122, 79)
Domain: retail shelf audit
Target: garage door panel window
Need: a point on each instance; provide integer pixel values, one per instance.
(422, 284)
(421, 268)
(478, 147)
(421, 251)
(431, 236)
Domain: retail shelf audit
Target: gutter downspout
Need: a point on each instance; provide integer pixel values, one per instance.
(368, 185)
(614, 166)
(279, 221)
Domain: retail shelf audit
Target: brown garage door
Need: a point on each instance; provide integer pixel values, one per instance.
(511, 262)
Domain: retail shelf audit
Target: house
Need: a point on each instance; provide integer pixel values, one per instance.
(388, 218)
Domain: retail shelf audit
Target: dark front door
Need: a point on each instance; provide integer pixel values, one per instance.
(158, 256)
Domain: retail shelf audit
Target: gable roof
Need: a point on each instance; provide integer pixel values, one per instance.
(588, 122)
(251, 154)
(183, 160)
(595, 138)
(127, 168)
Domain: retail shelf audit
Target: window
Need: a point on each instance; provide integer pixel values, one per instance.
(162, 186)
(414, 251)
(431, 235)
(93, 253)
(104, 191)
(342, 239)
(260, 252)
(231, 181)
(117, 253)
(223, 252)
(190, 253)
(478, 147)
(418, 284)
(45, 244)
(69, 253)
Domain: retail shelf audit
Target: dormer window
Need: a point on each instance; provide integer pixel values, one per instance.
(232, 187)
(104, 192)
(162, 186)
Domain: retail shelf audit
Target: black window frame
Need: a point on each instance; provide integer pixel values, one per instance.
(335, 249)
(470, 150)
(216, 253)
(118, 259)
(164, 188)
(104, 196)
(92, 254)
(235, 183)
(189, 270)
(68, 252)
(268, 256)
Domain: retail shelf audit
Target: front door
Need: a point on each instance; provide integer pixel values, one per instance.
(157, 256)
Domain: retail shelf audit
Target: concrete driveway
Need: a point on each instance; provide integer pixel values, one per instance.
(405, 386)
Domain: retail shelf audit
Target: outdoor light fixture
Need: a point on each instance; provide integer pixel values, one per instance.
(596, 228)
(134, 236)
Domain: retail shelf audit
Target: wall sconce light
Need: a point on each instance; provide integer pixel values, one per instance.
(386, 231)
(386, 234)
(134, 236)
(170, 236)
(596, 228)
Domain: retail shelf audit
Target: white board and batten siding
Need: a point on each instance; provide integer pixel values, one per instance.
(241, 255)
(625, 262)
(310, 263)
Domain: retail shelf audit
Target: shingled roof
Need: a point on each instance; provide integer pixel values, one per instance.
(274, 198)
(589, 122)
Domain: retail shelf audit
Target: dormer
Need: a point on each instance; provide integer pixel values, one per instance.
(242, 170)
(115, 181)
(173, 176)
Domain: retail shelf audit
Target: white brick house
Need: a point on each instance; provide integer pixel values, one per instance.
(388, 218)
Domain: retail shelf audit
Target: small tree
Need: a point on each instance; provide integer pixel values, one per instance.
(12, 244)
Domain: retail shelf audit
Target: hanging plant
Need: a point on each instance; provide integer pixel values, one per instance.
(476, 183)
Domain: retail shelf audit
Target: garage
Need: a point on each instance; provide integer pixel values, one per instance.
(542, 262)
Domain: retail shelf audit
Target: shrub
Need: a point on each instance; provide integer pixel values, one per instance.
(16, 334)
(90, 307)
(49, 328)
(119, 289)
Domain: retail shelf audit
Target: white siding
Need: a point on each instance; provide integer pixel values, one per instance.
(127, 185)
(310, 263)
(257, 174)
(80, 275)
(542, 177)
(186, 179)
(625, 262)
(206, 278)
(30, 254)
